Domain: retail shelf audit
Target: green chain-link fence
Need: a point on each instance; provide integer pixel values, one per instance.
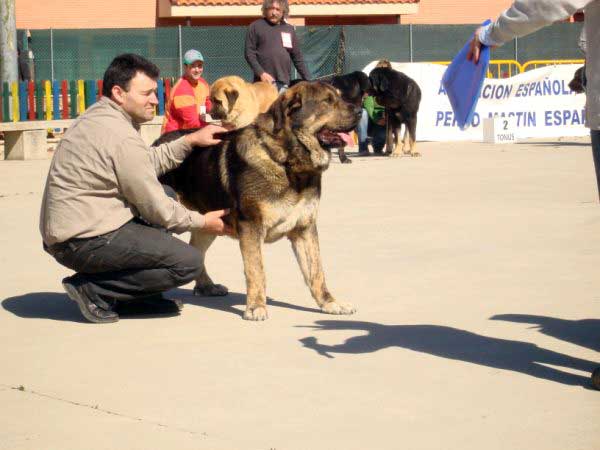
(85, 54)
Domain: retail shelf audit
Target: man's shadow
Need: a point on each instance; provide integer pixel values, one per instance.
(234, 302)
(44, 305)
(585, 333)
(452, 343)
(57, 306)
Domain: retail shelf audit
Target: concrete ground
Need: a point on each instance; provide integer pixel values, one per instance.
(475, 273)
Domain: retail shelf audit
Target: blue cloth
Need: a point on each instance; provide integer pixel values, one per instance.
(596, 154)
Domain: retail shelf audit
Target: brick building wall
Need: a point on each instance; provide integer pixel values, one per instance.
(456, 12)
(44, 14)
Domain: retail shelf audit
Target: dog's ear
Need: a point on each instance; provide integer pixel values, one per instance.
(379, 81)
(287, 103)
(364, 82)
(232, 96)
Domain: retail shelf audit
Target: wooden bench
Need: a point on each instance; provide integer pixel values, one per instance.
(27, 140)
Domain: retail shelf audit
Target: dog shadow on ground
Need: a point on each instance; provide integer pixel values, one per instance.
(234, 302)
(461, 345)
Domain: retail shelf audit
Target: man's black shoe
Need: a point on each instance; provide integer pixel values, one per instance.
(151, 305)
(89, 309)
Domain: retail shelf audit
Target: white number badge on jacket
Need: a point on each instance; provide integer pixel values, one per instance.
(286, 39)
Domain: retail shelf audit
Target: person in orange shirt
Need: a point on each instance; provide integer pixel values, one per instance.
(189, 98)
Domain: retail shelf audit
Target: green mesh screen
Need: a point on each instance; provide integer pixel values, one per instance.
(556, 42)
(85, 54)
(366, 43)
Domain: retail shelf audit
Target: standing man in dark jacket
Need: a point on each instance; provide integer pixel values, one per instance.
(271, 46)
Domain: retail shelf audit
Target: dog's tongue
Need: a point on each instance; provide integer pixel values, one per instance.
(346, 138)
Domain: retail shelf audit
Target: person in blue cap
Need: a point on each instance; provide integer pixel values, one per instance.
(189, 98)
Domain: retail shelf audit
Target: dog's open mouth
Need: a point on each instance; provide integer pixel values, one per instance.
(334, 139)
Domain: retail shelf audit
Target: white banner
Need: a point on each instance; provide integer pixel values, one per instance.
(539, 102)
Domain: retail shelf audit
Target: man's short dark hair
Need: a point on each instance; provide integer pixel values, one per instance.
(285, 8)
(123, 69)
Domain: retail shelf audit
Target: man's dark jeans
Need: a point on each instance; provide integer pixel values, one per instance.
(134, 261)
(596, 154)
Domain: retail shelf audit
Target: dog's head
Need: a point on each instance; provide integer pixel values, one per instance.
(363, 81)
(384, 63)
(232, 102)
(364, 84)
(353, 86)
(381, 80)
(392, 88)
(310, 116)
(577, 84)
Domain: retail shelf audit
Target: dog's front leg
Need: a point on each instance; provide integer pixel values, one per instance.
(343, 158)
(411, 129)
(396, 129)
(251, 241)
(305, 243)
(389, 131)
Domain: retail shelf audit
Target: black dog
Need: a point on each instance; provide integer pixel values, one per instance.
(353, 87)
(401, 96)
(577, 84)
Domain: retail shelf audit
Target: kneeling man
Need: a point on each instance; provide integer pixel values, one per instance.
(105, 214)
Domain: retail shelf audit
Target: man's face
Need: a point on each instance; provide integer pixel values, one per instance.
(193, 71)
(274, 14)
(140, 99)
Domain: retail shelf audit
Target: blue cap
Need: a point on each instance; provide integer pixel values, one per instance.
(191, 56)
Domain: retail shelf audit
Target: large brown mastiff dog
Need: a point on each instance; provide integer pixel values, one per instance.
(269, 174)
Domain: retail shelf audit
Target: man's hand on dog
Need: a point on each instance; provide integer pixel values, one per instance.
(206, 136)
(214, 223)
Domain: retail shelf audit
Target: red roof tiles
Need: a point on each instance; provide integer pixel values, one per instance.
(292, 3)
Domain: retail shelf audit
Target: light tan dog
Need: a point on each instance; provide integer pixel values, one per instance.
(237, 103)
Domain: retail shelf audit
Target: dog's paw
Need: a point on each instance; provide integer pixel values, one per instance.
(257, 313)
(395, 155)
(346, 161)
(415, 154)
(211, 290)
(338, 308)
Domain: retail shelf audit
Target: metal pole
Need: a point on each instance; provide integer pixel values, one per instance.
(8, 42)
(517, 49)
(51, 55)
(180, 53)
(295, 72)
(410, 41)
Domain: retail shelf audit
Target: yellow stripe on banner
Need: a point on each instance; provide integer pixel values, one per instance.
(48, 99)
(80, 96)
(533, 64)
(14, 92)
